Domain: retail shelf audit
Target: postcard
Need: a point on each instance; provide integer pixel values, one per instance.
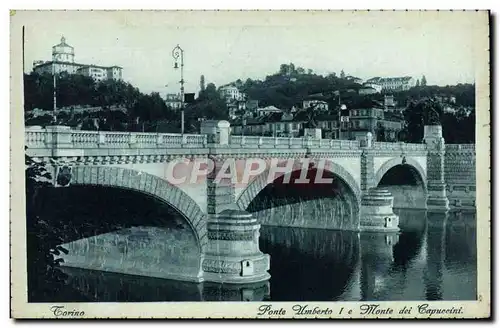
(250, 164)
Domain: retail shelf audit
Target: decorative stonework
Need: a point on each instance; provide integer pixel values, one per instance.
(460, 175)
(230, 235)
(377, 211)
(219, 266)
(367, 170)
(233, 249)
(437, 199)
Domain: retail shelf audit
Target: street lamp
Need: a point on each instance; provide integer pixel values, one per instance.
(176, 54)
(342, 119)
(54, 82)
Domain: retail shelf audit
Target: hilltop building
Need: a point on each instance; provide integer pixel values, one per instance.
(63, 60)
(230, 92)
(394, 83)
(354, 79)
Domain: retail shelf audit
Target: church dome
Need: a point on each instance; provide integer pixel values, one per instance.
(63, 52)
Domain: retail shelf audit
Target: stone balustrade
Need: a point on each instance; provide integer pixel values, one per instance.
(37, 137)
(284, 142)
(399, 146)
(468, 147)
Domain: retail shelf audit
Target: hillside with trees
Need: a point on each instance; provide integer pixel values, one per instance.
(76, 91)
(284, 89)
(290, 85)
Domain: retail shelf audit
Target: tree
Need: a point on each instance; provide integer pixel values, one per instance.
(417, 115)
(342, 74)
(209, 105)
(417, 84)
(423, 81)
(202, 83)
(45, 279)
(381, 133)
(283, 69)
(414, 123)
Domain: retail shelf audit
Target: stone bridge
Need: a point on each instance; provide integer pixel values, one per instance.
(226, 234)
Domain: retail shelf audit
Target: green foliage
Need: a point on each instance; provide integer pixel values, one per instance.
(291, 85)
(458, 127)
(464, 93)
(423, 82)
(43, 242)
(78, 91)
(416, 117)
(209, 105)
(381, 133)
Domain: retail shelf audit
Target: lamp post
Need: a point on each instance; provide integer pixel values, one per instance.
(340, 117)
(177, 53)
(55, 99)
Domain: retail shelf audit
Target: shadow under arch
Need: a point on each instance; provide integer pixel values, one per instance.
(412, 165)
(344, 187)
(406, 180)
(150, 185)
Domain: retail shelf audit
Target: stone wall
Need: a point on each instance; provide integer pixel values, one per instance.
(460, 175)
(169, 253)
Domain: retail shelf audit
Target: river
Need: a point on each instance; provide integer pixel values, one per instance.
(433, 258)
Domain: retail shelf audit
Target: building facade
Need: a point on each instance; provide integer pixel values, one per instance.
(394, 83)
(384, 126)
(354, 79)
(63, 60)
(230, 93)
(317, 104)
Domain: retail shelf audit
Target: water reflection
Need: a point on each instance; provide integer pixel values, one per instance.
(433, 258)
(100, 286)
(310, 264)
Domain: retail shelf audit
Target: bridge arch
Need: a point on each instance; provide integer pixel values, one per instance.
(150, 185)
(415, 168)
(259, 183)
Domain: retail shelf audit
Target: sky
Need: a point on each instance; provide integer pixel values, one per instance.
(225, 46)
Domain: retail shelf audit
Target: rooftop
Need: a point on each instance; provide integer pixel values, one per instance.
(63, 43)
(76, 64)
(390, 79)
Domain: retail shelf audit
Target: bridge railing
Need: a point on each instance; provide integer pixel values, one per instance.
(399, 146)
(35, 138)
(452, 147)
(38, 137)
(42, 138)
(284, 142)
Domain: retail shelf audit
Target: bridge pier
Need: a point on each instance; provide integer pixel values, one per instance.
(437, 200)
(232, 254)
(376, 210)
